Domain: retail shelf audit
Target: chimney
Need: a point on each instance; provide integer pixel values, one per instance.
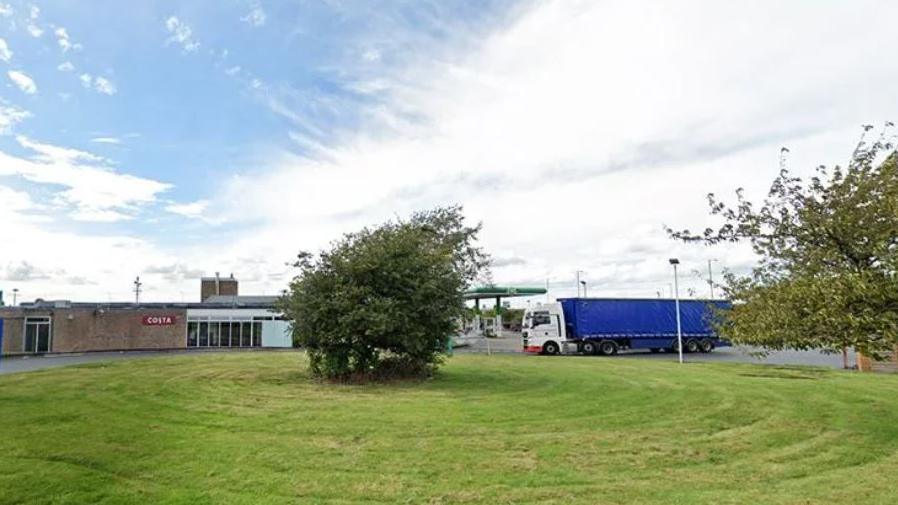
(217, 286)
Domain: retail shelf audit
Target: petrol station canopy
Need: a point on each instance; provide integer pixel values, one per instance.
(502, 292)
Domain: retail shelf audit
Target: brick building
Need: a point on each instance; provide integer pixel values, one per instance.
(222, 319)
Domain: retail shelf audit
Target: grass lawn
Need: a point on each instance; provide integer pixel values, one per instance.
(253, 428)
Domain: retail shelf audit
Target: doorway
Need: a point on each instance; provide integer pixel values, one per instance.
(37, 334)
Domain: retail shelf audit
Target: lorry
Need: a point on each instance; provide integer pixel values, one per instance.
(608, 325)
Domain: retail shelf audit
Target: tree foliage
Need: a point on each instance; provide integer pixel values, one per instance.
(828, 256)
(383, 302)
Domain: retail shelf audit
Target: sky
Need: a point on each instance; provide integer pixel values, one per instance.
(170, 140)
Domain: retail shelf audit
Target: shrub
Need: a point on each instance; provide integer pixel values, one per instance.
(383, 302)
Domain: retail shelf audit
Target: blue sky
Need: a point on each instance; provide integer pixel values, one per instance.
(190, 81)
(174, 139)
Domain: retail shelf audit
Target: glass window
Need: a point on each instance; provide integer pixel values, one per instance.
(204, 334)
(540, 318)
(235, 334)
(246, 335)
(30, 336)
(225, 334)
(257, 334)
(43, 338)
(213, 334)
(191, 333)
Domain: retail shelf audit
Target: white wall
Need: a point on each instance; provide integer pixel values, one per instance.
(276, 334)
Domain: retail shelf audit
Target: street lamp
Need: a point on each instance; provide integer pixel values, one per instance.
(584, 289)
(711, 277)
(579, 282)
(15, 292)
(674, 262)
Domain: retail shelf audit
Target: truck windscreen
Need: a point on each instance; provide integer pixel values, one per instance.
(537, 318)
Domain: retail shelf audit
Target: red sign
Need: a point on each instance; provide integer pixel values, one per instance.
(158, 320)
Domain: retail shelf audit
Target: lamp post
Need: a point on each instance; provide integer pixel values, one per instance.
(674, 262)
(711, 278)
(579, 282)
(15, 292)
(585, 295)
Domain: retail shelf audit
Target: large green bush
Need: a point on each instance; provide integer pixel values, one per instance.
(383, 302)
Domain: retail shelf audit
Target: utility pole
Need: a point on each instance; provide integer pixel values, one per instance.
(15, 292)
(137, 285)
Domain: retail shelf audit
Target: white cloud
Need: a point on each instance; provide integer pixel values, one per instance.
(573, 131)
(76, 274)
(50, 154)
(14, 201)
(106, 140)
(105, 86)
(10, 116)
(191, 210)
(5, 52)
(256, 16)
(34, 11)
(34, 30)
(65, 43)
(23, 81)
(5, 10)
(181, 34)
(233, 70)
(577, 130)
(66, 66)
(91, 189)
(98, 84)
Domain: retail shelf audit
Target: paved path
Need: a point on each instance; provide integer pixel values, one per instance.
(30, 363)
(512, 344)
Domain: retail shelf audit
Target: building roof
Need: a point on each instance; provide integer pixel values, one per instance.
(240, 300)
(214, 302)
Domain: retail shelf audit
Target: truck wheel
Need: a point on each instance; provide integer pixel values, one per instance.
(674, 347)
(550, 348)
(692, 345)
(607, 348)
(706, 345)
(589, 348)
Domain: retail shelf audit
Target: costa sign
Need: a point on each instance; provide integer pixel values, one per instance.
(158, 320)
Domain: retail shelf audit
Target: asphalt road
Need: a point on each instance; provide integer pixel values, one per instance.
(31, 363)
(509, 344)
(739, 354)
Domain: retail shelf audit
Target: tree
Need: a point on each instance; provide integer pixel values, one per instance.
(828, 256)
(383, 302)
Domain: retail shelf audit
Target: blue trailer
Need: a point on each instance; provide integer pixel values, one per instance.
(607, 325)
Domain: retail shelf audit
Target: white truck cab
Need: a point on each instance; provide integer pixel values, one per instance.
(544, 330)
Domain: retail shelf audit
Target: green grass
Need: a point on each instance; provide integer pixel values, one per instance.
(253, 428)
